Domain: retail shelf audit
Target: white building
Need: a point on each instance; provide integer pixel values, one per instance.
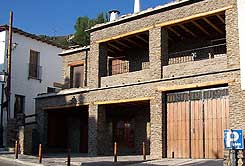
(35, 67)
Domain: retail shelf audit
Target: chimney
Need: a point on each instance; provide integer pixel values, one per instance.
(136, 6)
(113, 14)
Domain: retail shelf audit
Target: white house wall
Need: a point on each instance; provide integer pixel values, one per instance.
(3, 49)
(51, 70)
(241, 28)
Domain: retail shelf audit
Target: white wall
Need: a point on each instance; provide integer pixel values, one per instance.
(3, 52)
(3, 49)
(51, 70)
(241, 28)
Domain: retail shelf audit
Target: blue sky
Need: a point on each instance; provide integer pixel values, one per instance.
(57, 17)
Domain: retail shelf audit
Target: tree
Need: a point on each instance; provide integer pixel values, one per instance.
(81, 37)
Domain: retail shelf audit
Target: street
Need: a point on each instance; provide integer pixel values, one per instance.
(9, 163)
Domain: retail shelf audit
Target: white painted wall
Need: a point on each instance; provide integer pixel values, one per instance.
(51, 70)
(3, 52)
(3, 49)
(241, 29)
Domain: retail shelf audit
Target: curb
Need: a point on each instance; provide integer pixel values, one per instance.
(20, 162)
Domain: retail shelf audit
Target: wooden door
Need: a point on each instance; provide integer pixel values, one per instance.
(195, 123)
(216, 106)
(178, 127)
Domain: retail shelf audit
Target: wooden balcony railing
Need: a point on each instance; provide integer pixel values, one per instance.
(126, 66)
(197, 54)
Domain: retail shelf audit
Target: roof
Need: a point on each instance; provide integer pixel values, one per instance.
(32, 36)
(73, 50)
(143, 13)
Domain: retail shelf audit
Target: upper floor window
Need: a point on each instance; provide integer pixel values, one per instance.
(77, 76)
(34, 67)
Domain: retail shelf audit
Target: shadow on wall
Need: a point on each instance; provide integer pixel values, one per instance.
(53, 124)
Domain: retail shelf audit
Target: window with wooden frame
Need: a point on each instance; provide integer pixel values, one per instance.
(34, 67)
(77, 76)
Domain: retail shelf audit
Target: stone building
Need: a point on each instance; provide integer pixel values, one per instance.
(168, 76)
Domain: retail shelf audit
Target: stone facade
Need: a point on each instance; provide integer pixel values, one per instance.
(68, 60)
(145, 83)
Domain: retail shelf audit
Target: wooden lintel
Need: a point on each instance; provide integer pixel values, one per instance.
(125, 35)
(200, 27)
(119, 49)
(141, 38)
(212, 25)
(187, 30)
(220, 18)
(65, 106)
(121, 43)
(174, 31)
(123, 101)
(76, 63)
(197, 85)
(167, 23)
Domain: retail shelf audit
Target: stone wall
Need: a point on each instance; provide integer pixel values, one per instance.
(210, 70)
(125, 78)
(69, 59)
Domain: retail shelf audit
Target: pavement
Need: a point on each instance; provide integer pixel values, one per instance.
(84, 160)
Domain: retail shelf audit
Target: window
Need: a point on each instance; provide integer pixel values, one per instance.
(34, 68)
(77, 76)
(19, 104)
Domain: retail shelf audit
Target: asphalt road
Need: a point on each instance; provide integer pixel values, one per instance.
(9, 163)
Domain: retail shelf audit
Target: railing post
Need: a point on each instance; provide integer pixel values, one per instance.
(115, 152)
(16, 149)
(69, 157)
(143, 150)
(40, 154)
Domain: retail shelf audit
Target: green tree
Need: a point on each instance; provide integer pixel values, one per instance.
(81, 37)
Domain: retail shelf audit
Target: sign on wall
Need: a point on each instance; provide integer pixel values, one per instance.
(233, 139)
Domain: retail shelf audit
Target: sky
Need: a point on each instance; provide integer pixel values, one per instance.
(58, 17)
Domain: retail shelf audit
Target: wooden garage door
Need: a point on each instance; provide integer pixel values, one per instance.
(195, 123)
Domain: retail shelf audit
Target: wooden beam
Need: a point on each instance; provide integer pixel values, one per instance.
(187, 30)
(170, 38)
(133, 42)
(220, 18)
(201, 28)
(123, 101)
(121, 43)
(119, 49)
(212, 25)
(167, 23)
(195, 16)
(76, 63)
(125, 35)
(141, 38)
(110, 50)
(174, 31)
(197, 85)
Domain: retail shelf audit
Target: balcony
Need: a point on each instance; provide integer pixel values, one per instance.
(200, 60)
(125, 67)
(35, 72)
(197, 54)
